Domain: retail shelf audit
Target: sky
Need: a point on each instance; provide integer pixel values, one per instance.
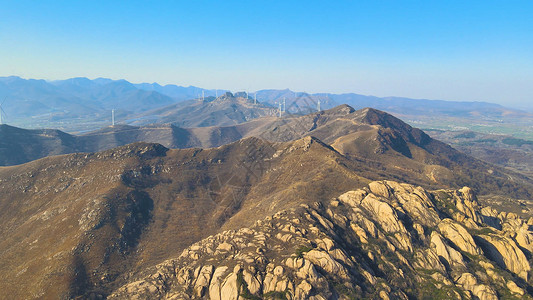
(450, 50)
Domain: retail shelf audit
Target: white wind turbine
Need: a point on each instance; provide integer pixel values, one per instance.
(2, 112)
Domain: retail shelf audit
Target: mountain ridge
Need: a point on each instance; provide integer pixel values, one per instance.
(87, 224)
(394, 146)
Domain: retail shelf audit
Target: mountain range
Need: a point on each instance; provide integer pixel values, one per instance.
(295, 219)
(227, 109)
(373, 139)
(231, 198)
(81, 104)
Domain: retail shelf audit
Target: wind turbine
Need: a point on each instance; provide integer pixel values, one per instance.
(2, 112)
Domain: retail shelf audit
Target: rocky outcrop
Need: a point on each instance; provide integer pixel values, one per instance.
(506, 253)
(383, 213)
(470, 283)
(414, 200)
(387, 241)
(452, 257)
(459, 236)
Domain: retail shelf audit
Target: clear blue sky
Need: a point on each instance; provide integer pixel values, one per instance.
(452, 50)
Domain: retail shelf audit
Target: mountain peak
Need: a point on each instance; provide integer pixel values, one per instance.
(372, 116)
(237, 97)
(340, 109)
(139, 149)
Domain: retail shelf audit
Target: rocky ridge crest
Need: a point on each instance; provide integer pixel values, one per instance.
(386, 241)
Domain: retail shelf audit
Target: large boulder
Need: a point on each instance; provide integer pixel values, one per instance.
(458, 235)
(481, 291)
(452, 256)
(415, 201)
(383, 213)
(506, 253)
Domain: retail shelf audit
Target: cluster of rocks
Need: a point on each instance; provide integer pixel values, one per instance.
(386, 241)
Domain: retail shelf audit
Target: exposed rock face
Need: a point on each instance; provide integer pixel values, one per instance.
(459, 236)
(452, 257)
(387, 241)
(481, 291)
(468, 208)
(506, 252)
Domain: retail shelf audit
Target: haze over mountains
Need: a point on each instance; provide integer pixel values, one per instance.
(227, 109)
(81, 104)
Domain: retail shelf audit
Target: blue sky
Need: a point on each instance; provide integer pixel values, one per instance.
(451, 50)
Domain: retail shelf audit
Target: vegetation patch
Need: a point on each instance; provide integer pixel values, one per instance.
(276, 295)
(516, 142)
(482, 231)
(429, 289)
(466, 135)
(443, 201)
(301, 250)
(345, 291)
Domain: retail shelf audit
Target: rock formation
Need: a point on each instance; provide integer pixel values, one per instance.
(386, 241)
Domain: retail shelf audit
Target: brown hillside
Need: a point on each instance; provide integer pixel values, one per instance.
(79, 224)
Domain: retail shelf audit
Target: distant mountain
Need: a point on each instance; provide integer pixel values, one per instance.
(77, 103)
(228, 109)
(118, 94)
(177, 92)
(81, 104)
(32, 98)
(394, 105)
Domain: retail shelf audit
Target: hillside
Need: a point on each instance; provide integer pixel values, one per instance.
(148, 221)
(423, 113)
(504, 150)
(224, 110)
(18, 145)
(76, 224)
